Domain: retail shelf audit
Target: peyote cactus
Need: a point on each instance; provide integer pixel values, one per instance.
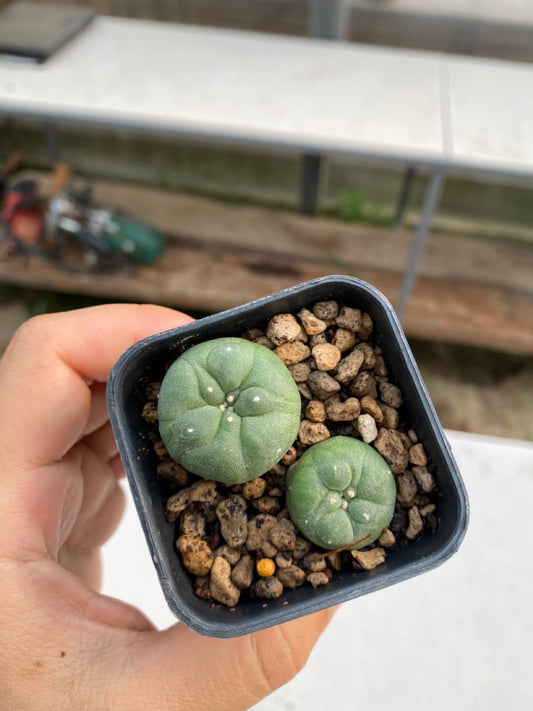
(228, 410)
(340, 491)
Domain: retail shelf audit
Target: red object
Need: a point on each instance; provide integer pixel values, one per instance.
(23, 211)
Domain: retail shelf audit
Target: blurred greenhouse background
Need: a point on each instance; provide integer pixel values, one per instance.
(208, 197)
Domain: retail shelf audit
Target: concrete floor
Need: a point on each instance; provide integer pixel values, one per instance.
(459, 637)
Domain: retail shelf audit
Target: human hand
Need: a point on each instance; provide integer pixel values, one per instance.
(63, 646)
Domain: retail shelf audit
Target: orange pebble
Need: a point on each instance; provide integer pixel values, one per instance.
(265, 567)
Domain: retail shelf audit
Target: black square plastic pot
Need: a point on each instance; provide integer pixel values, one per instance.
(148, 357)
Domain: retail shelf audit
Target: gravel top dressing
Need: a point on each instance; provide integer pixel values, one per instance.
(346, 486)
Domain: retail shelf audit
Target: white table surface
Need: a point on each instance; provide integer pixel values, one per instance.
(285, 92)
(296, 93)
(507, 11)
(491, 114)
(457, 638)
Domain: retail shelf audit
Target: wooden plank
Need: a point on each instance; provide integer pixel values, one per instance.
(213, 280)
(297, 238)
(222, 255)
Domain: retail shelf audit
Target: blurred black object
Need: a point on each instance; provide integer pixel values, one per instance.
(34, 31)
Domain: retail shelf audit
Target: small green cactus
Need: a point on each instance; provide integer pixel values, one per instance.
(228, 410)
(340, 491)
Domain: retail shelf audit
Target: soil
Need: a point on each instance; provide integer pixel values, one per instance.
(239, 542)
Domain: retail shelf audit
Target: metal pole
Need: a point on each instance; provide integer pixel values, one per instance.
(328, 19)
(311, 169)
(431, 199)
(405, 192)
(52, 142)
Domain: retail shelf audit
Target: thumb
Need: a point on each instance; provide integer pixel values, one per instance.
(178, 669)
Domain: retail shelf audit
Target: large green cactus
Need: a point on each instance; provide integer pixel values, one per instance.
(228, 410)
(339, 491)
